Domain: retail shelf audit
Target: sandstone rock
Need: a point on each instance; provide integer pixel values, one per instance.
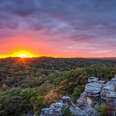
(95, 93)
(83, 104)
(76, 111)
(92, 79)
(51, 112)
(56, 109)
(108, 96)
(93, 89)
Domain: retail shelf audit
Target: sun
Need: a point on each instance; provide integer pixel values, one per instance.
(23, 54)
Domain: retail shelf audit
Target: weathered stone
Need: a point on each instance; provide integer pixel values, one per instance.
(93, 89)
(56, 109)
(92, 79)
(51, 112)
(57, 105)
(95, 93)
(101, 82)
(76, 111)
(86, 107)
(66, 99)
(84, 94)
(108, 96)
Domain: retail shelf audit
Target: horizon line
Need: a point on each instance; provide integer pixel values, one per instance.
(58, 57)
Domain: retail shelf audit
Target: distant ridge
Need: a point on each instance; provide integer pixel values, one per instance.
(48, 57)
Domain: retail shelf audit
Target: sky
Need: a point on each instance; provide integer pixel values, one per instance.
(58, 28)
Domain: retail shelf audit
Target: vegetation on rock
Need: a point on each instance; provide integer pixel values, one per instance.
(102, 109)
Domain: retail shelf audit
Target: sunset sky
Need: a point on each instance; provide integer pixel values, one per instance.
(58, 28)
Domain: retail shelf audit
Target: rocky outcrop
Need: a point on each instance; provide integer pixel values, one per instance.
(95, 93)
(108, 96)
(57, 109)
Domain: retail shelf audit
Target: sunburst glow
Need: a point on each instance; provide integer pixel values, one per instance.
(23, 54)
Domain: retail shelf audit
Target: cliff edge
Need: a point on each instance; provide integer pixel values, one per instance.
(96, 93)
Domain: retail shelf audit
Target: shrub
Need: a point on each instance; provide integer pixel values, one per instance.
(67, 112)
(102, 109)
(52, 97)
(76, 93)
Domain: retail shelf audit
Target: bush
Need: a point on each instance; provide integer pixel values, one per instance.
(52, 97)
(38, 104)
(102, 109)
(77, 92)
(67, 112)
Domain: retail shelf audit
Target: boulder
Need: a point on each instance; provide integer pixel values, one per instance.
(93, 89)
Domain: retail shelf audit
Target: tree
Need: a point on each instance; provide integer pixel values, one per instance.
(38, 104)
(77, 92)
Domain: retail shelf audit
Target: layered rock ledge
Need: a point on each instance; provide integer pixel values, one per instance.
(96, 92)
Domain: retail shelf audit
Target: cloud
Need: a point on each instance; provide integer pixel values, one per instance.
(81, 24)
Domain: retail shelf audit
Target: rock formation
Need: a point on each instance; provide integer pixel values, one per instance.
(108, 96)
(95, 93)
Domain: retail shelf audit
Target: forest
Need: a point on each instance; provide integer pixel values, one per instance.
(29, 84)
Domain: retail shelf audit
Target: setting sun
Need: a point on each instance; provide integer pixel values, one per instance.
(23, 54)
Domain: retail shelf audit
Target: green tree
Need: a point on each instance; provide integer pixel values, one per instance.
(77, 92)
(38, 104)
